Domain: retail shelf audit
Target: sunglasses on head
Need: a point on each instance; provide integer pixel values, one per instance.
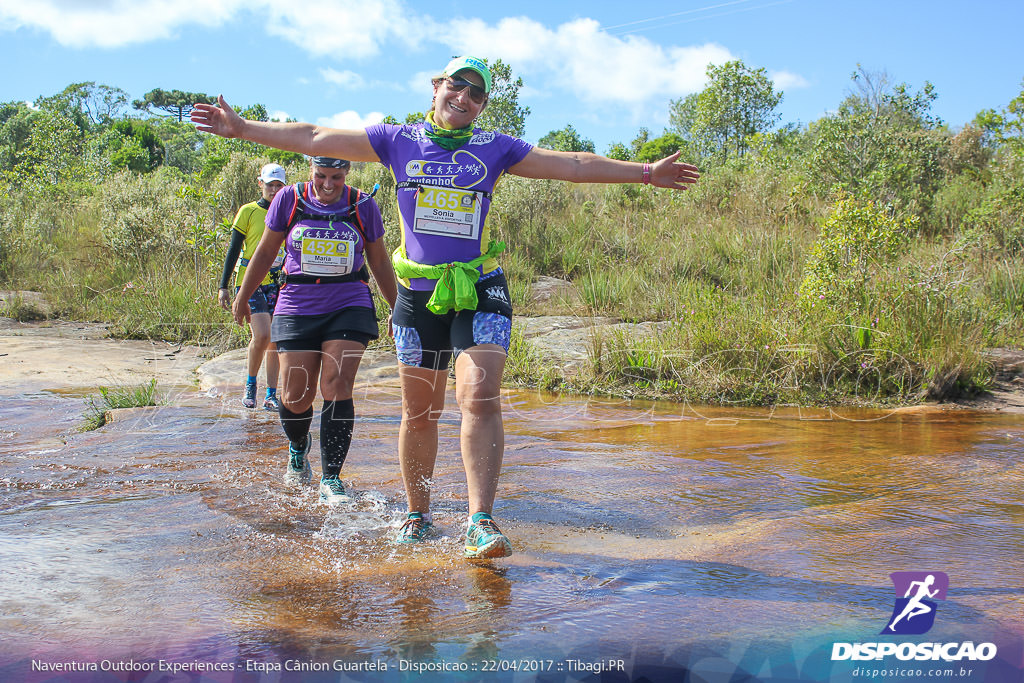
(476, 93)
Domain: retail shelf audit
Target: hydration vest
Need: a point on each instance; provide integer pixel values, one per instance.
(302, 210)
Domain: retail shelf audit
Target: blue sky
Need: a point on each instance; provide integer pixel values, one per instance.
(607, 68)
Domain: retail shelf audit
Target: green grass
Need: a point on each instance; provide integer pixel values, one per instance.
(114, 398)
(526, 367)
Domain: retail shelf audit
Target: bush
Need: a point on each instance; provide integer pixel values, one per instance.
(956, 202)
(141, 216)
(237, 184)
(857, 241)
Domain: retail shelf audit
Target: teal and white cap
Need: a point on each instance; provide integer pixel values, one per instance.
(471, 63)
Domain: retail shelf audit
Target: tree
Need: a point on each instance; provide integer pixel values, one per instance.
(503, 113)
(175, 102)
(86, 103)
(883, 144)
(566, 140)
(52, 154)
(682, 115)
(410, 118)
(661, 147)
(645, 148)
(619, 151)
(15, 130)
(284, 157)
(122, 152)
(1005, 127)
(738, 102)
(105, 103)
(1001, 213)
(256, 112)
(870, 88)
(143, 135)
(182, 144)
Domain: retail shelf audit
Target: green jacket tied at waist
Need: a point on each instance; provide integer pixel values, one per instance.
(456, 282)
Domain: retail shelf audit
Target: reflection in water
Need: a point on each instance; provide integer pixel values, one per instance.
(637, 528)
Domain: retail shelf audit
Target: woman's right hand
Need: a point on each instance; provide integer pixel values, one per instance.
(219, 120)
(240, 309)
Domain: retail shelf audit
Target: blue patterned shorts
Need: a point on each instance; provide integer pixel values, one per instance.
(424, 339)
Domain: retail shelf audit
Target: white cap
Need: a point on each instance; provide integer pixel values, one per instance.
(272, 172)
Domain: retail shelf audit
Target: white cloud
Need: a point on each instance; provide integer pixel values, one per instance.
(352, 30)
(113, 23)
(346, 79)
(279, 116)
(589, 63)
(351, 120)
(342, 30)
(786, 80)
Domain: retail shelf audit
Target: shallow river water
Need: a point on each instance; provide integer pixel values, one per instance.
(652, 542)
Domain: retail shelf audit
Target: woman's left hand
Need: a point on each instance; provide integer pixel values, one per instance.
(674, 174)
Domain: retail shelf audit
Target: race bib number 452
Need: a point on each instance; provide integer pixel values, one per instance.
(327, 256)
(447, 211)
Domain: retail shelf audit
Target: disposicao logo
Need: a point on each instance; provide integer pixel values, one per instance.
(914, 613)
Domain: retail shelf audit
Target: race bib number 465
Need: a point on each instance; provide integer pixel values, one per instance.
(447, 211)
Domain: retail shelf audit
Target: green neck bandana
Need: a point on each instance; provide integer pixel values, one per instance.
(448, 139)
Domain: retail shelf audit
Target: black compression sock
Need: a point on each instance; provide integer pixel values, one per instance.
(335, 435)
(296, 425)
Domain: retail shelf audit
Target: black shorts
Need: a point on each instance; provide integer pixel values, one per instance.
(309, 332)
(427, 340)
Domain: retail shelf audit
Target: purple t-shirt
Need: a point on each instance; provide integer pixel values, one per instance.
(444, 196)
(320, 247)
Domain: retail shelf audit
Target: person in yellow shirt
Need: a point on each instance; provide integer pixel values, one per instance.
(246, 231)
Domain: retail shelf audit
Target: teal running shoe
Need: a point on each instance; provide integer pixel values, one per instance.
(414, 529)
(332, 491)
(298, 471)
(484, 540)
(249, 398)
(272, 403)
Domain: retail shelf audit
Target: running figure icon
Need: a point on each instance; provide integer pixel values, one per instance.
(915, 607)
(917, 590)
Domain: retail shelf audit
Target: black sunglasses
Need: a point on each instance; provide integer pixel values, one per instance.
(476, 93)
